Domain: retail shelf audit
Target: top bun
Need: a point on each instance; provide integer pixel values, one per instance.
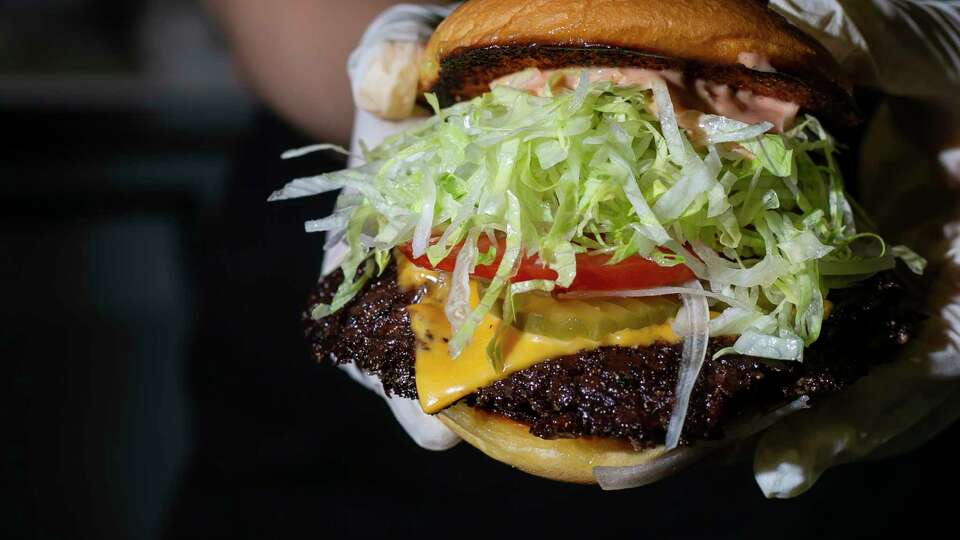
(483, 40)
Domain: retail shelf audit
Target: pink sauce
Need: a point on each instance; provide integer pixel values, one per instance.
(756, 62)
(689, 97)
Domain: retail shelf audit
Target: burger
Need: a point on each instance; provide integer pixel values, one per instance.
(622, 240)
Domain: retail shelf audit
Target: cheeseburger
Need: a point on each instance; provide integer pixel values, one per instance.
(621, 240)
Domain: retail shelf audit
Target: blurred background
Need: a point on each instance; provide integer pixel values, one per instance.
(142, 269)
(119, 119)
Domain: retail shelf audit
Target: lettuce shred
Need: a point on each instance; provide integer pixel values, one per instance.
(758, 216)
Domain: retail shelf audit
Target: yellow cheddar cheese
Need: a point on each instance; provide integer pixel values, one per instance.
(442, 380)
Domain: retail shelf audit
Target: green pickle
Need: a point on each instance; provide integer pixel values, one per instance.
(591, 318)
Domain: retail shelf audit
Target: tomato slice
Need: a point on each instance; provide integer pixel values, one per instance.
(593, 272)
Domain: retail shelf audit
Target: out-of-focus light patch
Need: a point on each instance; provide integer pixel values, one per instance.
(783, 481)
(950, 161)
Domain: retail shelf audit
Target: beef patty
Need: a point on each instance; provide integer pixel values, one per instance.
(624, 392)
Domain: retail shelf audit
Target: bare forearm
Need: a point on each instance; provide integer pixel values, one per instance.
(293, 55)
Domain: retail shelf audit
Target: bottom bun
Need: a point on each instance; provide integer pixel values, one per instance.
(565, 460)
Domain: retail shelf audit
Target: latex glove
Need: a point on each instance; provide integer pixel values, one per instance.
(384, 76)
(384, 68)
(909, 180)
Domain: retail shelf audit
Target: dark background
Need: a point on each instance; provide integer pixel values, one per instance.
(156, 384)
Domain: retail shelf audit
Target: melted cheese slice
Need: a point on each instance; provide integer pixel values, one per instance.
(442, 380)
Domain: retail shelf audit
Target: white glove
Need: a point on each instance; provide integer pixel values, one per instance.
(906, 50)
(384, 68)
(384, 76)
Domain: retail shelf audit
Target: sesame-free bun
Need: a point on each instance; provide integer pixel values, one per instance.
(486, 39)
(565, 460)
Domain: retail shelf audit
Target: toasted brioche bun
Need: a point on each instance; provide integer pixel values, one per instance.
(565, 460)
(486, 39)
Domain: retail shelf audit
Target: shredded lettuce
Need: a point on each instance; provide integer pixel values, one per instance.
(506, 270)
(914, 262)
(787, 347)
(772, 153)
(759, 217)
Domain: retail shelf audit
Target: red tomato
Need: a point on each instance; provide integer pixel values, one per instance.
(593, 272)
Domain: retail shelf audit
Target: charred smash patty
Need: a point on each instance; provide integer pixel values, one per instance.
(621, 392)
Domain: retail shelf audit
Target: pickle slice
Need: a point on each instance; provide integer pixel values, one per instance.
(589, 318)
(647, 311)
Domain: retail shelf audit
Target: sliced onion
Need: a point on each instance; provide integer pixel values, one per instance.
(694, 353)
(612, 478)
(661, 291)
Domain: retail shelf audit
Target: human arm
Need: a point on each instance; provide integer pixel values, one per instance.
(293, 54)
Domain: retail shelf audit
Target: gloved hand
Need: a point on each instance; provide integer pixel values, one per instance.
(909, 181)
(384, 76)
(881, 44)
